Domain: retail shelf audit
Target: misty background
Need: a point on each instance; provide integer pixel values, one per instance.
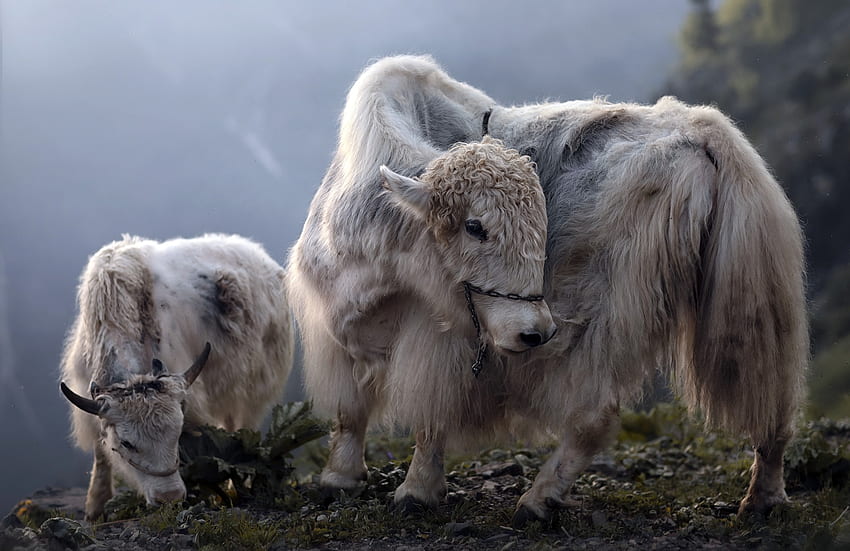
(168, 119)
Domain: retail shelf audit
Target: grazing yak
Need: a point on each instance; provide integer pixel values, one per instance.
(147, 307)
(669, 246)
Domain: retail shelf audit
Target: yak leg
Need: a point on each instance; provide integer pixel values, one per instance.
(767, 483)
(552, 485)
(100, 484)
(346, 467)
(425, 483)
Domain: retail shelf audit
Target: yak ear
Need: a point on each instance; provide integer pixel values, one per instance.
(110, 366)
(157, 368)
(409, 193)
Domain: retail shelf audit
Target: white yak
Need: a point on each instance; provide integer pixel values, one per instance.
(669, 246)
(146, 308)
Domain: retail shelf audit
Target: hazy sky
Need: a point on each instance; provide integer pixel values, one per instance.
(172, 119)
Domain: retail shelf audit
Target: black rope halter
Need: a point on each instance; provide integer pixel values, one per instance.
(468, 289)
(485, 123)
(150, 472)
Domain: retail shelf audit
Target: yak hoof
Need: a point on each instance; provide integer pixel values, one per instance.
(761, 505)
(524, 515)
(409, 505)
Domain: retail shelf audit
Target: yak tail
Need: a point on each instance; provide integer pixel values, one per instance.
(741, 338)
(706, 257)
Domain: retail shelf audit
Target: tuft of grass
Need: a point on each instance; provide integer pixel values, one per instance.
(163, 518)
(125, 505)
(229, 529)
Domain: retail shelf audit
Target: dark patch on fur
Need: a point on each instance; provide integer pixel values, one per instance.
(729, 371)
(711, 157)
(591, 136)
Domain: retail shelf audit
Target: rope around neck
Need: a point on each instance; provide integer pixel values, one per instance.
(468, 289)
(144, 470)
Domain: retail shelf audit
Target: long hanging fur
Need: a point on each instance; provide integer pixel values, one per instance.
(742, 357)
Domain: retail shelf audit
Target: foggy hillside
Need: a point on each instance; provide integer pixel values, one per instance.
(164, 119)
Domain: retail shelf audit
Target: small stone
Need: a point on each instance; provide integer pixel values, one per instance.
(11, 521)
(322, 518)
(183, 516)
(19, 538)
(459, 528)
(498, 538)
(599, 519)
(182, 541)
(67, 532)
(489, 486)
(493, 470)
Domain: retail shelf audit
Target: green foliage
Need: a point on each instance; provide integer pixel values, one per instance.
(829, 381)
(699, 34)
(228, 467)
(813, 460)
(663, 419)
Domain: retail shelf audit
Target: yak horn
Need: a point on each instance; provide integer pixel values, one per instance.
(192, 373)
(86, 404)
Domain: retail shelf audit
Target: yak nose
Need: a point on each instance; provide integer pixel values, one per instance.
(531, 339)
(170, 495)
(537, 338)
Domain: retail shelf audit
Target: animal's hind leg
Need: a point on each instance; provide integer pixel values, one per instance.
(552, 485)
(425, 483)
(767, 483)
(100, 484)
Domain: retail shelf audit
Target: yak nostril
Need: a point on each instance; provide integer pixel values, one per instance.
(531, 339)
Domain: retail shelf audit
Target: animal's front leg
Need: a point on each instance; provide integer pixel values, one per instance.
(425, 483)
(556, 477)
(100, 484)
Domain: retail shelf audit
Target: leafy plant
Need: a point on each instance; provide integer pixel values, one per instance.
(228, 467)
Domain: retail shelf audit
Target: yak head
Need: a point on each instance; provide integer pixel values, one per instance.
(141, 419)
(483, 205)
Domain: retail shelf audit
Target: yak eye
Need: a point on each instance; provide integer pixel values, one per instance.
(129, 446)
(476, 230)
(530, 152)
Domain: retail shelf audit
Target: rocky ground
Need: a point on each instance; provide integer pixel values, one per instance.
(666, 484)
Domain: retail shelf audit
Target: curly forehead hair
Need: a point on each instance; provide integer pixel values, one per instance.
(472, 169)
